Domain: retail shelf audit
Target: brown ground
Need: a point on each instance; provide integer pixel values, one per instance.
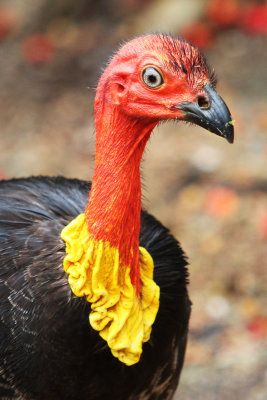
(212, 195)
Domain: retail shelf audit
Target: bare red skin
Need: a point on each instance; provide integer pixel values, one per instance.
(126, 111)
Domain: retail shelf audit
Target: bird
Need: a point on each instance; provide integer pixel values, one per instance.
(94, 298)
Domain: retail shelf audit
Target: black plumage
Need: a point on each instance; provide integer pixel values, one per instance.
(47, 348)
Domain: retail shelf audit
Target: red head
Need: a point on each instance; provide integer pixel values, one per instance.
(157, 77)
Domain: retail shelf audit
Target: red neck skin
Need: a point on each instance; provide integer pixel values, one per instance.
(114, 207)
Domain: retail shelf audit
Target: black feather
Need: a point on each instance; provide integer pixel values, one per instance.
(48, 350)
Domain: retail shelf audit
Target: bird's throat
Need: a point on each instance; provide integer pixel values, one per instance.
(114, 207)
(103, 258)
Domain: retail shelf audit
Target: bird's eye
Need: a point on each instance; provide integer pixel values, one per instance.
(151, 77)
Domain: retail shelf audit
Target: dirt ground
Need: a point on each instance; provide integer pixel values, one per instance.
(212, 195)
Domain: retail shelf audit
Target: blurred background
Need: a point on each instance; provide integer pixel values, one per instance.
(212, 195)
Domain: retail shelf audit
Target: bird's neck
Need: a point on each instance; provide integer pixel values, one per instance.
(103, 258)
(114, 207)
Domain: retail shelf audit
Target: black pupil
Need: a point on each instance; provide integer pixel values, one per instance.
(152, 78)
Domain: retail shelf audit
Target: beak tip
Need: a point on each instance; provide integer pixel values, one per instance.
(230, 131)
(230, 139)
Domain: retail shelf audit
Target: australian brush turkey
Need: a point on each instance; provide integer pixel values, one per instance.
(64, 258)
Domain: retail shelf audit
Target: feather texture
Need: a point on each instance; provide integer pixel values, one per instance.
(47, 348)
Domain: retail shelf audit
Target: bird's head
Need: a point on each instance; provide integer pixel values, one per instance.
(157, 77)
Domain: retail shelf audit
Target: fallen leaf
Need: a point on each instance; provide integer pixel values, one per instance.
(221, 202)
(263, 225)
(199, 34)
(38, 49)
(258, 327)
(254, 18)
(7, 22)
(223, 13)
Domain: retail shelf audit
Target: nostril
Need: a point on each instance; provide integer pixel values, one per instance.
(203, 102)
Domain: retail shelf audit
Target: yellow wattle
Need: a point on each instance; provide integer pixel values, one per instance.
(122, 318)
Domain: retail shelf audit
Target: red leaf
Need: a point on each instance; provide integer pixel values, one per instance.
(263, 225)
(38, 49)
(199, 34)
(7, 22)
(254, 18)
(258, 327)
(223, 12)
(221, 202)
(2, 175)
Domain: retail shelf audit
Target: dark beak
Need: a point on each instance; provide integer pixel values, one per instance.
(211, 113)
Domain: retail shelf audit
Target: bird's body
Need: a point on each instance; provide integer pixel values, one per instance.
(64, 257)
(48, 350)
